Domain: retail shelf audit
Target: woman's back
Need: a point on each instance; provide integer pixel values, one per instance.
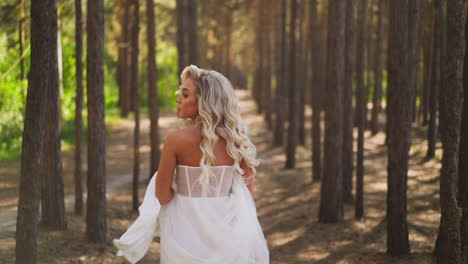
(188, 182)
(188, 170)
(191, 153)
(210, 216)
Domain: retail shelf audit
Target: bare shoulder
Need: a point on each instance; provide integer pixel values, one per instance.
(181, 137)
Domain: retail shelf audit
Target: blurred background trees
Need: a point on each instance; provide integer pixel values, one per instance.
(370, 66)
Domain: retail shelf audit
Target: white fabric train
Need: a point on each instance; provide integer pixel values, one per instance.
(197, 230)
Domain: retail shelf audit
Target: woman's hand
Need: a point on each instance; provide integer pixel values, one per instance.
(251, 187)
(249, 177)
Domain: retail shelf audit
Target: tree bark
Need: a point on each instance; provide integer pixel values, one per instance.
(267, 70)
(124, 60)
(428, 36)
(451, 102)
(78, 108)
(301, 72)
(136, 102)
(293, 96)
(331, 193)
(96, 217)
(281, 91)
(181, 35)
(361, 108)
(193, 52)
(463, 155)
(42, 36)
(348, 102)
(228, 40)
(435, 84)
(368, 47)
(152, 88)
(316, 87)
(52, 199)
(399, 130)
(387, 65)
(377, 97)
(413, 46)
(260, 78)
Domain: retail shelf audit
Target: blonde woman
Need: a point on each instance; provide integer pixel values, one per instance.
(201, 198)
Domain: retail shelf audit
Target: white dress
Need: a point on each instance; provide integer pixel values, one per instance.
(220, 228)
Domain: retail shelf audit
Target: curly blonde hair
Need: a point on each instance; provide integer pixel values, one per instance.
(219, 114)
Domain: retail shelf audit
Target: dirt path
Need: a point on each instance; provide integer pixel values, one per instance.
(287, 202)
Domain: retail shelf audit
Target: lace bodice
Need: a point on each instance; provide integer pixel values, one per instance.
(187, 179)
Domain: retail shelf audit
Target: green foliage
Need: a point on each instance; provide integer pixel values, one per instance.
(12, 101)
(9, 13)
(68, 94)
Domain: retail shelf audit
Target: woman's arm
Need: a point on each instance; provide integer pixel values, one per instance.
(248, 174)
(167, 164)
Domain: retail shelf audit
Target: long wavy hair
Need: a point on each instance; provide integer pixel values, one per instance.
(219, 114)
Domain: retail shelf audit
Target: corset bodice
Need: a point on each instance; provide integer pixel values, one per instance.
(188, 181)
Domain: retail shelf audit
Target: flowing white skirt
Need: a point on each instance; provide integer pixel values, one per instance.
(198, 230)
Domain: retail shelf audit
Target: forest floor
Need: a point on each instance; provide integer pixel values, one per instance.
(287, 203)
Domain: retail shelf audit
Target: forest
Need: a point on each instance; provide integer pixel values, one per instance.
(358, 110)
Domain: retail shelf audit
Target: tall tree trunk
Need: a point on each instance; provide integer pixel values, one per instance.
(267, 69)
(463, 156)
(228, 39)
(331, 192)
(59, 55)
(378, 56)
(399, 129)
(119, 71)
(348, 102)
(96, 217)
(435, 84)
(368, 47)
(281, 91)
(152, 88)
(124, 60)
(78, 108)
(428, 48)
(413, 48)
(301, 72)
(259, 82)
(181, 35)
(21, 36)
(257, 85)
(427, 83)
(136, 101)
(228, 27)
(42, 37)
(443, 55)
(193, 52)
(387, 65)
(449, 248)
(52, 199)
(361, 108)
(293, 96)
(316, 87)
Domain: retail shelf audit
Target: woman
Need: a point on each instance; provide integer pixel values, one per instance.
(205, 211)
